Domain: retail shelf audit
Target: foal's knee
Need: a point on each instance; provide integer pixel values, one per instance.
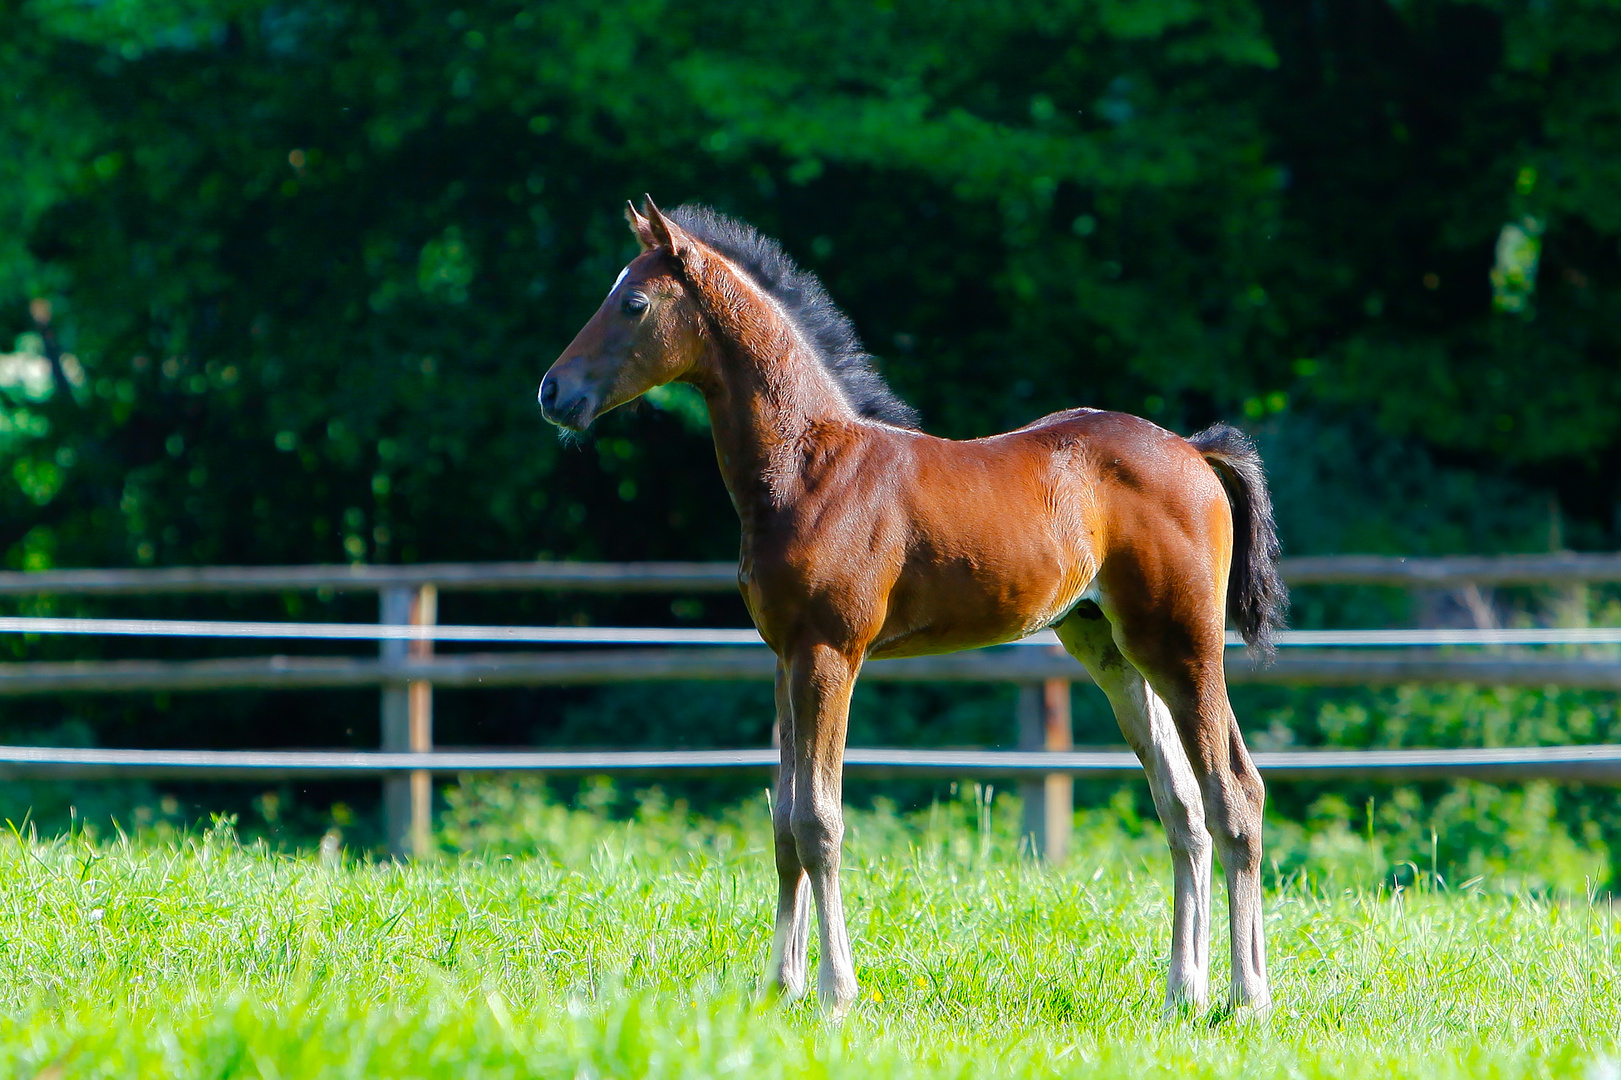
(1237, 817)
(1181, 807)
(1251, 792)
(782, 833)
(818, 833)
(1187, 836)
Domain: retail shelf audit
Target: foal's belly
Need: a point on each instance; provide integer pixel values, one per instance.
(933, 612)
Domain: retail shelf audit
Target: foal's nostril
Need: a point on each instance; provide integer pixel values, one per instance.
(548, 394)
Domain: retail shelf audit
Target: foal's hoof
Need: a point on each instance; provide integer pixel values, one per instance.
(783, 991)
(836, 1005)
(1248, 1014)
(1184, 1009)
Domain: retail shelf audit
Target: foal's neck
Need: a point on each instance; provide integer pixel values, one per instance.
(769, 395)
(770, 401)
(765, 412)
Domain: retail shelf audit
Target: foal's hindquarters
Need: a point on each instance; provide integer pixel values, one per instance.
(1151, 635)
(1107, 527)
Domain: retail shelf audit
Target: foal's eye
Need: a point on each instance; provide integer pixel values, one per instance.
(633, 304)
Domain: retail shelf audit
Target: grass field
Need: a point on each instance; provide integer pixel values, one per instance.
(575, 946)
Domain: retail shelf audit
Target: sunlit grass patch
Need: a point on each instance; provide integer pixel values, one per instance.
(562, 942)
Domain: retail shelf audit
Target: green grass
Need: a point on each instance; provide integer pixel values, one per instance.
(618, 949)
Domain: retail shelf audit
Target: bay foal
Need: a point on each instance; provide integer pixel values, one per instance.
(864, 538)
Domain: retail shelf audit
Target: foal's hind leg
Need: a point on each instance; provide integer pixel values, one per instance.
(1147, 725)
(785, 970)
(1180, 653)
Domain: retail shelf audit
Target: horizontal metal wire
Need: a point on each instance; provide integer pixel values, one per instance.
(655, 635)
(1596, 764)
(1583, 635)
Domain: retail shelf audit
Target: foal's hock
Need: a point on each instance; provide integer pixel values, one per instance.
(864, 537)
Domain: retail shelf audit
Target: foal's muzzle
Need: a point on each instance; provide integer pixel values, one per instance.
(569, 410)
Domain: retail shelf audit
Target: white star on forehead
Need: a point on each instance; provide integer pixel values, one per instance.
(618, 279)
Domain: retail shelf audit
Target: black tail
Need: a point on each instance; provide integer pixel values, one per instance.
(1257, 599)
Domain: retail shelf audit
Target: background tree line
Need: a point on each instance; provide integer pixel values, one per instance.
(279, 280)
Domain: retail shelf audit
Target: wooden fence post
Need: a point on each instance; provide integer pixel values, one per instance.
(408, 723)
(1049, 803)
(424, 612)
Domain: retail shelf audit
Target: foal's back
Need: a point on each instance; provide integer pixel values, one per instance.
(987, 540)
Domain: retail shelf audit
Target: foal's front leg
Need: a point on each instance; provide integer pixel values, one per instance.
(785, 970)
(820, 679)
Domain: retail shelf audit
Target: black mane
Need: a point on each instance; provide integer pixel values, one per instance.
(828, 329)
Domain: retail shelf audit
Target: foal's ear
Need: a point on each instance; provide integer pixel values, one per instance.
(667, 233)
(641, 227)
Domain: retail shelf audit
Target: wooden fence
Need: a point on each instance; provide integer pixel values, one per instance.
(407, 670)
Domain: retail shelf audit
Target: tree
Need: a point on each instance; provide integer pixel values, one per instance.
(305, 262)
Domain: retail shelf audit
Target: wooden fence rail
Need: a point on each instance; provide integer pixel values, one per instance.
(1559, 568)
(473, 670)
(573, 576)
(407, 672)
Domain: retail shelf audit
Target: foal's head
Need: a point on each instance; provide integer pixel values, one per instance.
(647, 332)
